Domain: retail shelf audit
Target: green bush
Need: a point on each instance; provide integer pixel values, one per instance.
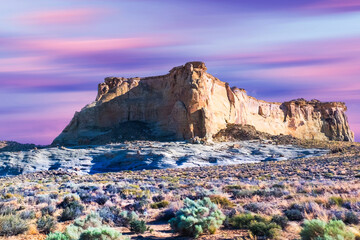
(46, 224)
(127, 217)
(72, 210)
(197, 217)
(138, 226)
(11, 225)
(74, 231)
(57, 236)
(161, 204)
(27, 215)
(102, 199)
(102, 233)
(117, 217)
(89, 228)
(48, 210)
(282, 221)
(259, 218)
(264, 229)
(111, 215)
(67, 201)
(320, 230)
(258, 225)
(294, 215)
(7, 210)
(351, 218)
(241, 221)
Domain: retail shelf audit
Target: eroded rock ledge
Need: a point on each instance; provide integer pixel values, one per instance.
(11, 146)
(189, 102)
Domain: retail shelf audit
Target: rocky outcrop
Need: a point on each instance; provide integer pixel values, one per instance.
(189, 102)
(11, 146)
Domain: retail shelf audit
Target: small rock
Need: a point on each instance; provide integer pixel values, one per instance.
(236, 145)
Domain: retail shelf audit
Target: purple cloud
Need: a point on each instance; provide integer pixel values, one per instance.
(70, 16)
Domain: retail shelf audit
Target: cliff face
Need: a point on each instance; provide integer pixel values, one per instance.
(189, 102)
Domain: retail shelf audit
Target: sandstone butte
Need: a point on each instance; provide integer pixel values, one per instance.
(188, 102)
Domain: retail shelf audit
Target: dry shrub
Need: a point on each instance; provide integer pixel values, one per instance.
(32, 230)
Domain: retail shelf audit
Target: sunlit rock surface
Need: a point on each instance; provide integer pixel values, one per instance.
(139, 155)
(189, 102)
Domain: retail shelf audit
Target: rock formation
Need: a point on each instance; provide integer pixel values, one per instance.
(11, 146)
(189, 102)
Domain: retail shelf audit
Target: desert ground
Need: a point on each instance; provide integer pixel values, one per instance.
(283, 193)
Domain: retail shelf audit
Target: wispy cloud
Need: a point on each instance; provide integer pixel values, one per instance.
(300, 62)
(26, 64)
(62, 17)
(88, 55)
(64, 46)
(334, 5)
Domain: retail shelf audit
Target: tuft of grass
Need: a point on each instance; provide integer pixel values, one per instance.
(224, 202)
(267, 230)
(241, 221)
(231, 188)
(335, 200)
(161, 204)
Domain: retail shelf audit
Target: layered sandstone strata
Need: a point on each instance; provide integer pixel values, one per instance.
(189, 102)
